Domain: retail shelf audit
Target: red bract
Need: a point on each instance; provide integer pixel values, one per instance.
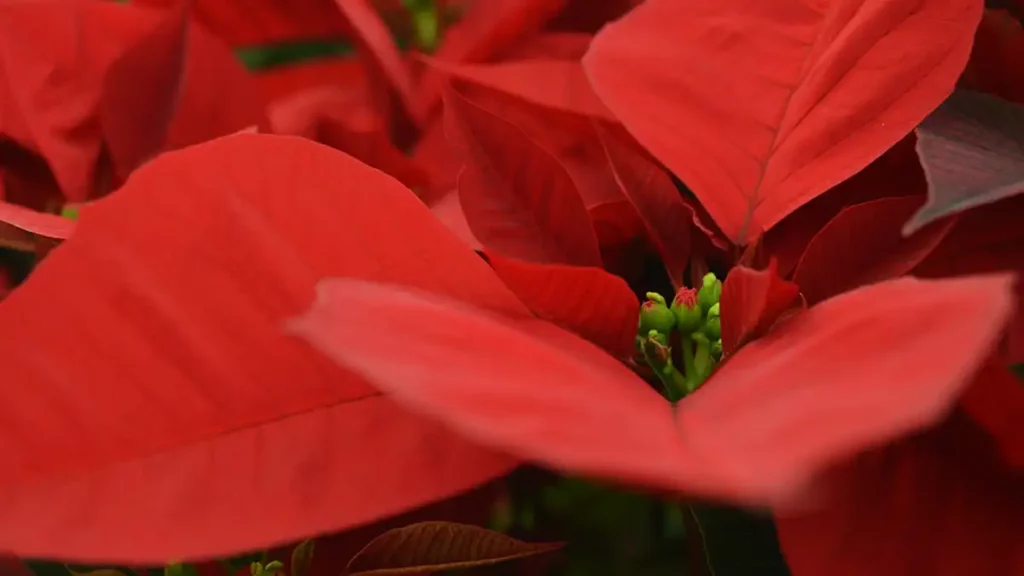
(110, 78)
(855, 372)
(519, 201)
(761, 106)
(164, 385)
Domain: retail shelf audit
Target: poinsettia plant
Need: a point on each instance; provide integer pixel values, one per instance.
(587, 287)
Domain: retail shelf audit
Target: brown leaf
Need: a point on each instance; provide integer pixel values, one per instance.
(302, 558)
(435, 546)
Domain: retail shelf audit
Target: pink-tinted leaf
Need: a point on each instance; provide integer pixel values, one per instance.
(588, 301)
(972, 150)
(818, 389)
(940, 503)
(165, 386)
(752, 300)
(669, 220)
(428, 547)
(41, 223)
(519, 201)
(141, 92)
(761, 106)
(864, 244)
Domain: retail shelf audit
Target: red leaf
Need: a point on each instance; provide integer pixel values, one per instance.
(847, 375)
(995, 402)
(216, 97)
(341, 120)
(375, 40)
(439, 546)
(853, 372)
(864, 244)
(265, 22)
(997, 60)
(449, 211)
(53, 87)
(485, 29)
(13, 566)
(939, 504)
(751, 302)
(41, 223)
(669, 220)
(558, 45)
(166, 386)
(985, 239)
(761, 106)
(141, 92)
(972, 150)
(518, 199)
(556, 84)
(588, 301)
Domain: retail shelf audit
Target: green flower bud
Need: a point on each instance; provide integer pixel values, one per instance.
(710, 292)
(716, 350)
(686, 310)
(273, 567)
(655, 315)
(713, 324)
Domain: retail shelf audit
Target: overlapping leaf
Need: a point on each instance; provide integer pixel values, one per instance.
(816, 390)
(941, 500)
(752, 300)
(761, 106)
(588, 301)
(972, 150)
(519, 201)
(435, 546)
(864, 244)
(164, 384)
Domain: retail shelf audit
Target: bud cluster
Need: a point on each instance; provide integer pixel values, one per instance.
(693, 321)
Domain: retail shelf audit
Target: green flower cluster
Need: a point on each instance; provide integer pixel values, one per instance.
(693, 323)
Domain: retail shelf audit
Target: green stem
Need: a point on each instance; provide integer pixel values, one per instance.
(689, 368)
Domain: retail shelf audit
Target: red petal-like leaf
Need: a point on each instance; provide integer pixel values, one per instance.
(996, 401)
(588, 301)
(669, 220)
(940, 504)
(449, 211)
(141, 92)
(522, 384)
(518, 199)
(847, 375)
(751, 301)
(486, 28)
(864, 244)
(986, 239)
(53, 88)
(761, 106)
(853, 372)
(972, 150)
(555, 84)
(439, 546)
(164, 385)
(41, 223)
(997, 60)
(375, 40)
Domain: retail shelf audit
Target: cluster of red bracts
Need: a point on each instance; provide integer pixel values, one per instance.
(241, 318)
